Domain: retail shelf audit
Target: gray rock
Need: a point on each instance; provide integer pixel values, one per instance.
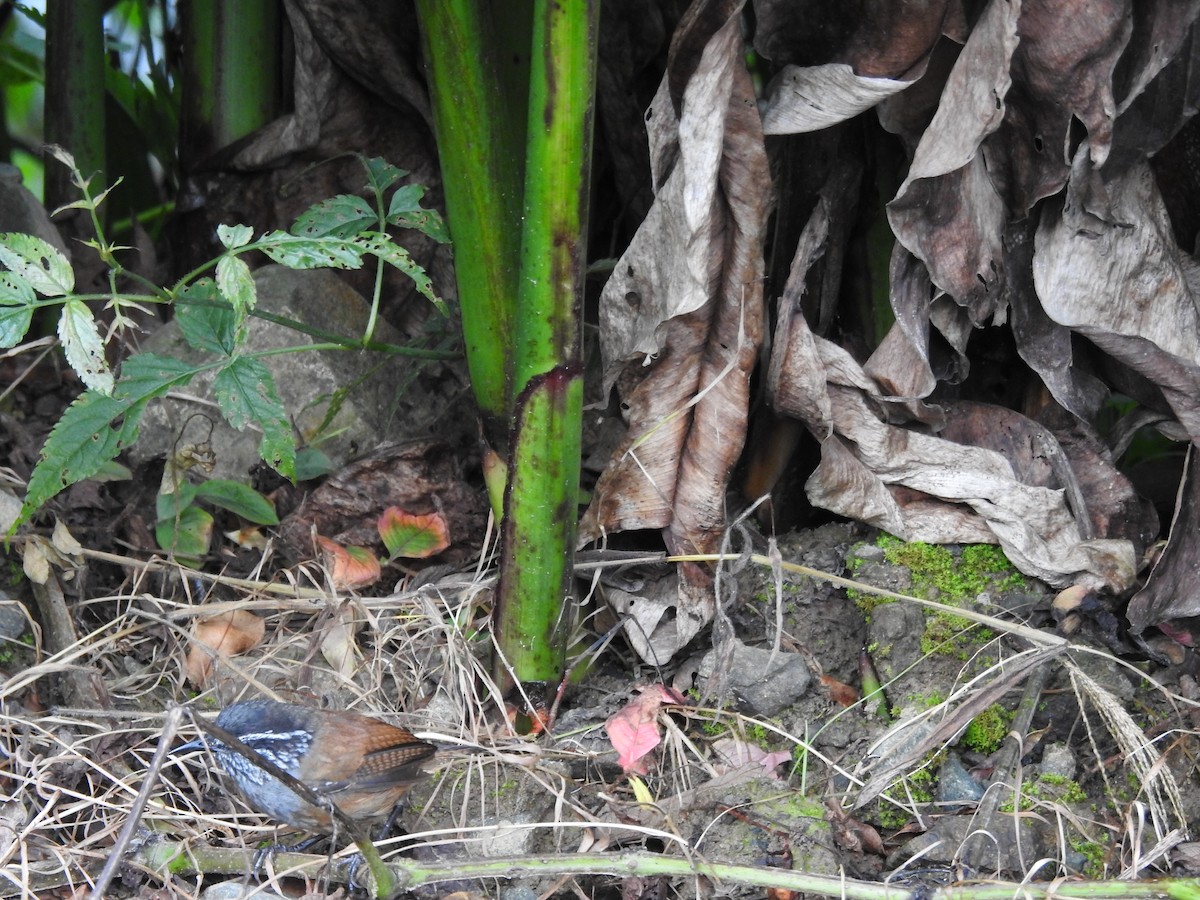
(763, 683)
(14, 621)
(306, 381)
(894, 635)
(1058, 760)
(20, 211)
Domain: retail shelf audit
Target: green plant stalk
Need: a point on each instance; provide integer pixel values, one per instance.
(74, 91)
(185, 861)
(557, 169)
(480, 134)
(230, 73)
(541, 502)
(538, 533)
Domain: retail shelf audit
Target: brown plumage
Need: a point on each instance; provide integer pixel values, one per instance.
(362, 764)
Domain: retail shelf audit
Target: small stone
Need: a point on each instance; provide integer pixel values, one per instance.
(1058, 760)
(764, 683)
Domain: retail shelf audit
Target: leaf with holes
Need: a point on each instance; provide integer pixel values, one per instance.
(246, 393)
(37, 262)
(312, 253)
(236, 284)
(394, 255)
(17, 301)
(405, 211)
(342, 216)
(83, 346)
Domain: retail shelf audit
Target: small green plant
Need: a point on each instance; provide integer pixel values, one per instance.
(213, 315)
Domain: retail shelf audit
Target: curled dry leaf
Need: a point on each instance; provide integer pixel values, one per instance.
(682, 315)
(228, 634)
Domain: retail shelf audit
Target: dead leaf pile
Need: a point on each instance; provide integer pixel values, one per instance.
(1023, 139)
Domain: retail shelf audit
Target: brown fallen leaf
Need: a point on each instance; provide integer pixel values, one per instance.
(228, 634)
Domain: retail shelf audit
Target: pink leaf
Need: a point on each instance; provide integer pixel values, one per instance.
(634, 729)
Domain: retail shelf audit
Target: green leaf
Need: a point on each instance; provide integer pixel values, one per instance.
(240, 499)
(147, 375)
(246, 393)
(187, 536)
(342, 216)
(406, 211)
(206, 319)
(392, 253)
(169, 506)
(235, 282)
(16, 309)
(96, 427)
(381, 174)
(312, 463)
(311, 253)
(38, 262)
(234, 236)
(83, 346)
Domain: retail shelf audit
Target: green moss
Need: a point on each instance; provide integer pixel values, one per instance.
(987, 730)
(952, 578)
(1096, 856)
(1049, 789)
(758, 734)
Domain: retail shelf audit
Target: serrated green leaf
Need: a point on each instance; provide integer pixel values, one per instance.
(236, 284)
(381, 174)
(206, 319)
(234, 236)
(14, 323)
(240, 499)
(96, 427)
(405, 211)
(147, 375)
(342, 216)
(246, 393)
(393, 254)
(83, 346)
(38, 262)
(16, 309)
(311, 253)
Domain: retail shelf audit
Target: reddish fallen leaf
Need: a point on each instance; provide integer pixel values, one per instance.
(634, 729)
(349, 567)
(413, 537)
(841, 693)
(736, 753)
(228, 634)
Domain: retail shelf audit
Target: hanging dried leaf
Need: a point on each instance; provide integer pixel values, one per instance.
(686, 298)
(1173, 589)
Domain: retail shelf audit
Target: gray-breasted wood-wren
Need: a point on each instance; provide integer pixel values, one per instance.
(360, 763)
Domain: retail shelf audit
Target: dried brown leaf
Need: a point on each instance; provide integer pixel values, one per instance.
(228, 634)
